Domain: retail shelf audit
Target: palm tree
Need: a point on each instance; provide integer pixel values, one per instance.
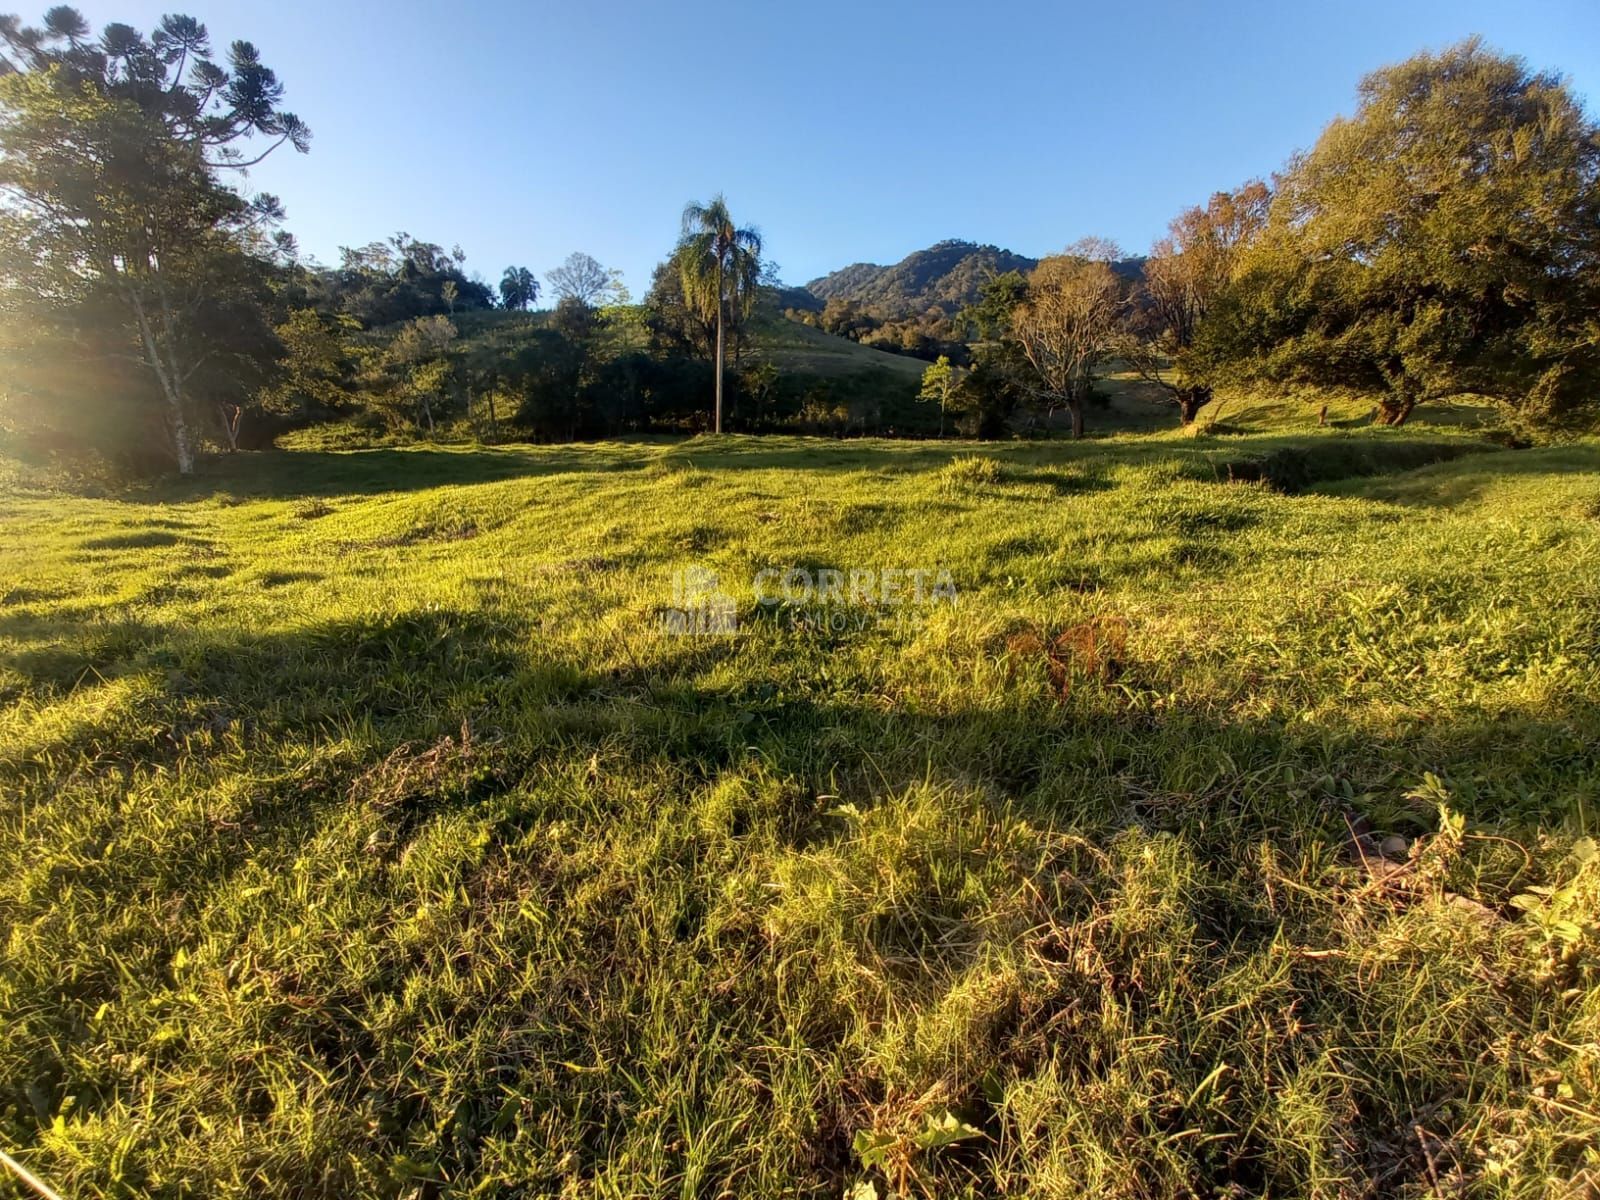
(721, 268)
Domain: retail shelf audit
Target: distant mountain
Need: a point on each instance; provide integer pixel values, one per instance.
(945, 276)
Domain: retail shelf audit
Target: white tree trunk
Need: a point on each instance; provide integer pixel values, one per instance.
(177, 420)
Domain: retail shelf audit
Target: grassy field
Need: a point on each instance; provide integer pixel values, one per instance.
(791, 346)
(796, 347)
(366, 831)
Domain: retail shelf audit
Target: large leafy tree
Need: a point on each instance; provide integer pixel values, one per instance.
(675, 328)
(1184, 276)
(721, 272)
(318, 365)
(998, 382)
(118, 236)
(677, 325)
(1067, 326)
(1443, 240)
(418, 359)
(401, 279)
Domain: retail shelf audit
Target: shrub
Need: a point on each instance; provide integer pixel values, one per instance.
(969, 471)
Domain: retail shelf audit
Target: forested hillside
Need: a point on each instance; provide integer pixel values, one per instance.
(948, 275)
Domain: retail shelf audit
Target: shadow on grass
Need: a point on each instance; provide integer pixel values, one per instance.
(319, 474)
(447, 712)
(1448, 485)
(289, 474)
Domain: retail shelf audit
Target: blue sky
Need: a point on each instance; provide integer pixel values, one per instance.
(846, 131)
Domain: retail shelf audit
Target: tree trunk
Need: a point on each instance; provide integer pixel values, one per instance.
(230, 423)
(1076, 407)
(718, 416)
(183, 436)
(177, 421)
(1191, 399)
(1393, 410)
(182, 443)
(494, 426)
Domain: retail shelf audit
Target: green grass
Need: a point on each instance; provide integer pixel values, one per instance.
(793, 347)
(362, 832)
(801, 348)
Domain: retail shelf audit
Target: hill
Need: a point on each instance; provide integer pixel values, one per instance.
(804, 348)
(369, 831)
(947, 275)
(792, 347)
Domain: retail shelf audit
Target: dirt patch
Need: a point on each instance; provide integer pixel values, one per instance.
(1096, 649)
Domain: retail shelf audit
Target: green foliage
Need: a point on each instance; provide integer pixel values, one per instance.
(940, 382)
(317, 368)
(401, 279)
(719, 267)
(948, 275)
(675, 326)
(421, 379)
(519, 288)
(988, 318)
(1441, 241)
(118, 237)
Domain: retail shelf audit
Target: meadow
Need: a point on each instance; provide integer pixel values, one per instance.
(365, 831)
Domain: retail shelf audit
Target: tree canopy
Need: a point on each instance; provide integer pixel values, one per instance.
(519, 288)
(1067, 324)
(401, 279)
(1185, 275)
(1442, 240)
(118, 236)
(583, 279)
(1445, 239)
(720, 266)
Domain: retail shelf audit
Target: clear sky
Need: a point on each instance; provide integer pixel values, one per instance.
(846, 131)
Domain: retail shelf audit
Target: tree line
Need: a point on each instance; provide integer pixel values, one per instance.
(1443, 240)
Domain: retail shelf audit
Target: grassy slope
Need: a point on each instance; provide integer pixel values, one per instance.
(362, 834)
(796, 347)
(789, 344)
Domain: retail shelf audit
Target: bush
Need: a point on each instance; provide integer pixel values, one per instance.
(968, 472)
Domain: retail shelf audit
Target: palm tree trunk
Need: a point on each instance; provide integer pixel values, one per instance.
(718, 425)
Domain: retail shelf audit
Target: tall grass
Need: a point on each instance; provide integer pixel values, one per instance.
(364, 833)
